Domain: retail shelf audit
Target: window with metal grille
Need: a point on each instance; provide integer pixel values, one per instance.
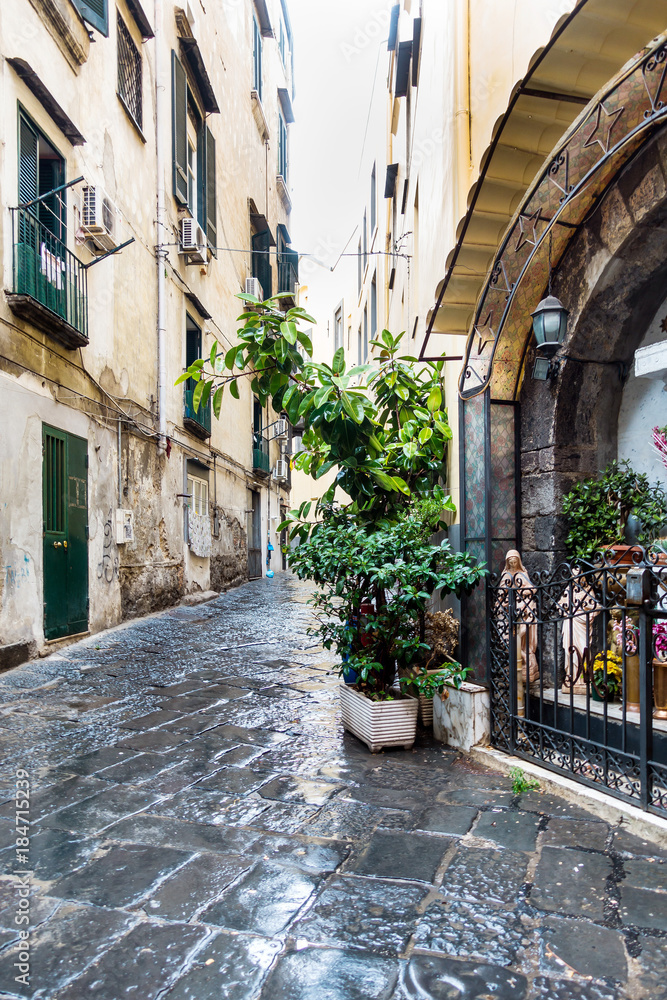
(129, 73)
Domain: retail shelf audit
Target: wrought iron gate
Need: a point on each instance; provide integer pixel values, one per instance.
(578, 672)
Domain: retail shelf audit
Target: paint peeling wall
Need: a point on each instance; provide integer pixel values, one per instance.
(113, 379)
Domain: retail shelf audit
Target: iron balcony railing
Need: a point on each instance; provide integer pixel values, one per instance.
(579, 671)
(260, 454)
(288, 278)
(47, 271)
(201, 416)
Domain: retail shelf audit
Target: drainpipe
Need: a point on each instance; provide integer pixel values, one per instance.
(463, 110)
(161, 229)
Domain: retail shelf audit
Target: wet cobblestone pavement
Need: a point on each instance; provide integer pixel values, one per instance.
(202, 828)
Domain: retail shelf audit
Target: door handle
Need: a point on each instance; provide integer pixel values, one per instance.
(65, 544)
(57, 545)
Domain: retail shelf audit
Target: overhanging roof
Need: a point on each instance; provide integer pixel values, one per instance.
(47, 100)
(587, 48)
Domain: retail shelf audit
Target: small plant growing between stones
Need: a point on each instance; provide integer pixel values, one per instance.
(520, 783)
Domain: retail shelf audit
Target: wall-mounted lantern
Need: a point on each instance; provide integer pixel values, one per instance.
(550, 327)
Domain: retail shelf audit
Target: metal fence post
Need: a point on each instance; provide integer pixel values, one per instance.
(645, 703)
(513, 692)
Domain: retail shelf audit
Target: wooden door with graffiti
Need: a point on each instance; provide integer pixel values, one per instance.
(65, 532)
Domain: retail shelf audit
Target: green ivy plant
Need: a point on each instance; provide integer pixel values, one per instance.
(383, 427)
(597, 510)
(395, 566)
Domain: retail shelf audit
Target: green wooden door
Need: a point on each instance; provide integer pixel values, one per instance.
(65, 485)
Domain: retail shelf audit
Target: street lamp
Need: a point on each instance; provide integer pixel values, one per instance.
(550, 327)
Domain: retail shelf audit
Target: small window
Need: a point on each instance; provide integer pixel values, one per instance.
(373, 200)
(374, 308)
(256, 58)
(364, 237)
(129, 74)
(282, 42)
(338, 327)
(197, 499)
(193, 136)
(283, 165)
(365, 333)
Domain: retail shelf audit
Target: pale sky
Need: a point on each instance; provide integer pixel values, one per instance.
(336, 55)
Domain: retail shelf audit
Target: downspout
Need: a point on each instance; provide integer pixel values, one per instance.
(161, 230)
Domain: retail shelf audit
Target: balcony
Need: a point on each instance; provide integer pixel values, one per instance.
(197, 422)
(260, 454)
(49, 284)
(288, 279)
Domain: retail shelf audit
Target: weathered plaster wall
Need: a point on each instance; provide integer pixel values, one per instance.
(612, 280)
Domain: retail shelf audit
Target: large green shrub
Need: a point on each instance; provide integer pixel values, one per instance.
(597, 510)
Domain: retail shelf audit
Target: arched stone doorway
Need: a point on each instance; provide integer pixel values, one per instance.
(613, 280)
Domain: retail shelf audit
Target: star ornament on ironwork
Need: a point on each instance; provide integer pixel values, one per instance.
(610, 119)
(485, 334)
(527, 225)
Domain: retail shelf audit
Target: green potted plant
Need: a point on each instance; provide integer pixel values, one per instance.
(607, 683)
(382, 580)
(598, 510)
(384, 429)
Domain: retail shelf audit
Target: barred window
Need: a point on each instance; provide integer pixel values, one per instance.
(129, 73)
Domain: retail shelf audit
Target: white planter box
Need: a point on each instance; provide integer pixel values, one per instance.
(463, 719)
(379, 723)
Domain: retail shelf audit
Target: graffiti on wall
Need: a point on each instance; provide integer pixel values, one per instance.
(17, 574)
(107, 569)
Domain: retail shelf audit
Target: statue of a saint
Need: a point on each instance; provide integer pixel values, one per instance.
(580, 609)
(515, 577)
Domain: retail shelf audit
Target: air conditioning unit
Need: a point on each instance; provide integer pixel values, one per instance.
(281, 470)
(280, 428)
(124, 526)
(253, 287)
(99, 218)
(193, 242)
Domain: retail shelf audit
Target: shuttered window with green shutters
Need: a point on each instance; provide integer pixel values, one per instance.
(179, 94)
(41, 169)
(204, 202)
(211, 206)
(95, 12)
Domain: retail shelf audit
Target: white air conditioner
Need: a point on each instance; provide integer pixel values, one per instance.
(99, 218)
(281, 470)
(253, 287)
(280, 428)
(193, 241)
(124, 526)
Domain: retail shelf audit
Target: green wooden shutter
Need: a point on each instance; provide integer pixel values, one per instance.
(292, 258)
(261, 261)
(28, 162)
(211, 206)
(95, 12)
(179, 100)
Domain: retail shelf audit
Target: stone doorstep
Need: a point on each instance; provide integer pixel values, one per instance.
(645, 825)
(199, 597)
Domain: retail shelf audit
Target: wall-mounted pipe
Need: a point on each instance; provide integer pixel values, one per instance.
(161, 131)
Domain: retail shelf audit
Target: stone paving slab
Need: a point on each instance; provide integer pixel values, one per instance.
(240, 846)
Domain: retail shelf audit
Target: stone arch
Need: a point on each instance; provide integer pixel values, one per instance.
(612, 279)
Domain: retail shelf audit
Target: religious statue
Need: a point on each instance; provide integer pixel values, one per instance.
(580, 609)
(515, 577)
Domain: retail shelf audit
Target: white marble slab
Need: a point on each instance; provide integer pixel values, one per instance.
(462, 718)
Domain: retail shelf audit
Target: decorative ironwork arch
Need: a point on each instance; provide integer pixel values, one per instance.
(618, 122)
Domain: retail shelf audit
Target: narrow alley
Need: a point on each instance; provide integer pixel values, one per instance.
(201, 828)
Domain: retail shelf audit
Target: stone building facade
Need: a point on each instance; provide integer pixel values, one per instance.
(144, 181)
